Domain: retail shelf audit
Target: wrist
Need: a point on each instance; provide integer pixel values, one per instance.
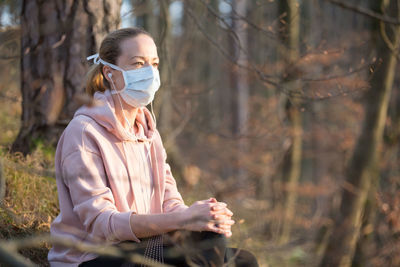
(182, 218)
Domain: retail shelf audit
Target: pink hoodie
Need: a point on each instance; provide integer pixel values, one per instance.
(103, 177)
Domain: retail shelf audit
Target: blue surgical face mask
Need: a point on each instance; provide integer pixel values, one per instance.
(140, 84)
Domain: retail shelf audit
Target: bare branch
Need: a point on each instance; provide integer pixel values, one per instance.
(263, 76)
(11, 247)
(250, 23)
(2, 182)
(10, 258)
(366, 12)
(276, 82)
(9, 57)
(180, 127)
(336, 76)
(11, 98)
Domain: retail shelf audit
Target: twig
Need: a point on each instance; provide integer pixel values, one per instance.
(2, 182)
(10, 258)
(13, 99)
(236, 38)
(393, 47)
(11, 247)
(264, 77)
(228, 27)
(366, 12)
(180, 127)
(9, 57)
(250, 23)
(336, 76)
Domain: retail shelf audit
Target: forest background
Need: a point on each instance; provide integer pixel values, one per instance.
(287, 110)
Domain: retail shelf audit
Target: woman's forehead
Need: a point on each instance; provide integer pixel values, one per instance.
(139, 46)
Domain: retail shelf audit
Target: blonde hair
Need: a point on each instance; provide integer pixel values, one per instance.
(109, 52)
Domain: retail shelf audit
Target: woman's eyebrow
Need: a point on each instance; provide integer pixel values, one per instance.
(143, 58)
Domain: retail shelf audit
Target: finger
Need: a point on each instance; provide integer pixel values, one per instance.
(224, 212)
(228, 223)
(224, 227)
(222, 204)
(214, 228)
(228, 212)
(220, 216)
(218, 206)
(212, 200)
(228, 234)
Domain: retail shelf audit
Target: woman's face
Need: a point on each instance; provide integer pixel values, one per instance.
(136, 52)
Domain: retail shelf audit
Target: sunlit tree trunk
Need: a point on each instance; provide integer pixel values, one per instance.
(362, 172)
(212, 73)
(293, 165)
(239, 80)
(57, 36)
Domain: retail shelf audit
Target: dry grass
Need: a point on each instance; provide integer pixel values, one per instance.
(30, 202)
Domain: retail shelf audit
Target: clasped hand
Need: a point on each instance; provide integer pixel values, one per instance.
(209, 215)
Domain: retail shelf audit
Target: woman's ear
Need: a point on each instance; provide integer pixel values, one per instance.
(107, 73)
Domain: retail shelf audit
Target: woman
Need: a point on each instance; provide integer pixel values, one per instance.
(114, 184)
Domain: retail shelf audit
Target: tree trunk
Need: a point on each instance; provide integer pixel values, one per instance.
(362, 171)
(240, 86)
(212, 74)
(164, 98)
(293, 166)
(56, 38)
(144, 14)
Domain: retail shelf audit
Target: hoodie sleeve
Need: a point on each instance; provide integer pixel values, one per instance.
(84, 175)
(172, 198)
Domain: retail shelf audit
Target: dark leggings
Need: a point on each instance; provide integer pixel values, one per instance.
(184, 248)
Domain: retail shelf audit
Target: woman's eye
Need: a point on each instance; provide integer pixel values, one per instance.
(155, 64)
(138, 64)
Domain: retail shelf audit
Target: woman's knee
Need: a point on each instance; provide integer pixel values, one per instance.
(208, 240)
(208, 247)
(240, 257)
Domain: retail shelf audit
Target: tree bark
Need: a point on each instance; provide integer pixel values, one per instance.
(362, 171)
(56, 38)
(293, 165)
(240, 86)
(165, 96)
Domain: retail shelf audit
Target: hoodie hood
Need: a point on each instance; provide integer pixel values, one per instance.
(104, 114)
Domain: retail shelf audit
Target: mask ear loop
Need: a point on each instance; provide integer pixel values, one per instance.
(152, 113)
(123, 112)
(150, 142)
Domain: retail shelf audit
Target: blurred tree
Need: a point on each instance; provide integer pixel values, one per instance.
(362, 171)
(10, 9)
(56, 38)
(164, 44)
(165, 99)
(292, 166)
(144, 14)
(240, 86)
